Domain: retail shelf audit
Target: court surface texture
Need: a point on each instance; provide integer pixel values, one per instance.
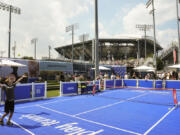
(94, 115)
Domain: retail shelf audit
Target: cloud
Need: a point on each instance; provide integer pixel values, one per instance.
(42, 19)
(164, 13)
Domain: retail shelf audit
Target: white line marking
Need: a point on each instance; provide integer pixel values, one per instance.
(102, 107)
(90, 121)
(21, 126)
(150, 129)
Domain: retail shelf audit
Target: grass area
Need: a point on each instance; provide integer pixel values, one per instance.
(53, 93)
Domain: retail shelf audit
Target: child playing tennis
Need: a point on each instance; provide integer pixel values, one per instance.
(8, 88)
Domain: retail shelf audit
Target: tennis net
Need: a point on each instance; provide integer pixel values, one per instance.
(156, 96)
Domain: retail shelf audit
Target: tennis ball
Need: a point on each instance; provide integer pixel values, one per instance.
(169, 108)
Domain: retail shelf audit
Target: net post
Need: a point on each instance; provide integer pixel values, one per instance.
(175, 97)
(33, 90)
(45, 89)
(60, 89)
(154, 83)
(104, 84)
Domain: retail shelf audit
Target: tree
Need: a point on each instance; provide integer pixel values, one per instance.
(27, 57)
(160, 64)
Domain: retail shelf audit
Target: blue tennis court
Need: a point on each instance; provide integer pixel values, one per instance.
(103, 114)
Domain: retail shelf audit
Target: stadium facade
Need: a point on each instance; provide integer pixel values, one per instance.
(115, 51)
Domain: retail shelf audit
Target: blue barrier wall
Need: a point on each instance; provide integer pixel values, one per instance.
(109, 83)
(173, 84)
(118, 83)
(23, 92)
(130, 83)
(146, 83)
(69, 88)
(39, 90)
(158, 84)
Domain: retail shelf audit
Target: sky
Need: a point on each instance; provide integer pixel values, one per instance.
(46, 20)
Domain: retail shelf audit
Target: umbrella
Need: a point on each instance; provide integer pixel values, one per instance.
(174, 66)
(5, 62)
(103, 68)
(144, 68)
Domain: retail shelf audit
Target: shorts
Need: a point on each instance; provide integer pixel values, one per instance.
(9, 106)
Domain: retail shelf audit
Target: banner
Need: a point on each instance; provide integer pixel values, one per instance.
(174, 56)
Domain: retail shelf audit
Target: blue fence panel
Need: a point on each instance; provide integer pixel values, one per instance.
(173, 84)
(69, 88)
(89, 87)
(146, 83)
(109, 83)
(159, 84)
(97, 85)
(130, 83)
(39, 90)
(118, 83)
(23, 92)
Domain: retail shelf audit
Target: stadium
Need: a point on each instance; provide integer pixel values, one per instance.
(111, 51)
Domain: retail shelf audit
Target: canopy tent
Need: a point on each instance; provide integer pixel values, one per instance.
(144, 68)
(174, 66)
(5, 62)
(102, 68)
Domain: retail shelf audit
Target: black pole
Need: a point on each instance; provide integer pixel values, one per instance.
(9, 41)
(96, 41)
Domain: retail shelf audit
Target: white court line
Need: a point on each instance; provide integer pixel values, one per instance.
(102, 107)
(150, 129)
(49, 102)
(21, 126)
(90, 121)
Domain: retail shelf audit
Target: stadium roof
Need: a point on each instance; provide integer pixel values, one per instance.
(118, 48)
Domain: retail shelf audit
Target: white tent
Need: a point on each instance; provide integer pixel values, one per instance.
(6, 62)
(102, 68)
(174, 66)
(144, 68)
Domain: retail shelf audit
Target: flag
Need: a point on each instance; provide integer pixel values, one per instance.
(174, 56)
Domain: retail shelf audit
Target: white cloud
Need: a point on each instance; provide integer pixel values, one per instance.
(166, 37)
(165, 12)
(44, 19)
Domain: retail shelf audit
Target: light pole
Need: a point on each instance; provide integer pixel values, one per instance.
(49, 51)
(14, 49)
(178, 19)
(83, 38)
(72, 28)
(138, 54)
(96, 40)
(145, 28)
(151, 2)
(11, 9)
(34, 41)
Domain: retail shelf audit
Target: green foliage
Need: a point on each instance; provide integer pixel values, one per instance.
(160, 64)
(27, 57)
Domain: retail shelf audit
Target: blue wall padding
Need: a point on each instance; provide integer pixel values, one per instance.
(146, 83)
(159, 84)
(109, 83)
(23, 92)
(39, 90)
(173, 84)
(69, 88)
(118, 83)
(130, 83)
